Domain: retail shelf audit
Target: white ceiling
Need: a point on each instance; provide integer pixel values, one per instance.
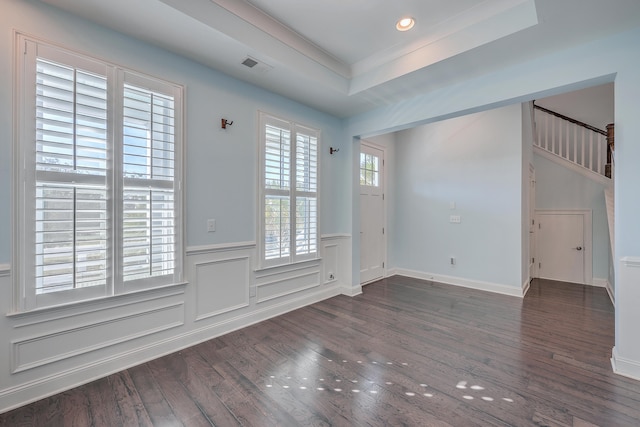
(345, 57)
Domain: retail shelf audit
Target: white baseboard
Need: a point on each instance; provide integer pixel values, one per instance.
(625, 367)
(23, 394)
(351, 291)
(612, 294)
(599, 283)
(466, 283)
(525, 287)
(604, 283)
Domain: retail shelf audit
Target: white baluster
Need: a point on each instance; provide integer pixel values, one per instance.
(591, 150)
(546, 132)
(582, 160)
(599, 137)
(553, 135)
(575, 144)
(567, 154)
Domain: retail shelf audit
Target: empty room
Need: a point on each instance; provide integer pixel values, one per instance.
(252, 212)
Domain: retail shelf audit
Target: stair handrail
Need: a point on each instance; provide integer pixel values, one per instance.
(569, 119)
(608, 134)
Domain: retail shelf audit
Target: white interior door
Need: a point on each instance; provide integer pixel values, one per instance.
(532, 222)
(372, 246)
(562, 247)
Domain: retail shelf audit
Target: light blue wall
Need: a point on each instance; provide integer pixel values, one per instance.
(474, 161)
(559, 188)
(603, 60)
(597, 62)
(220, 166)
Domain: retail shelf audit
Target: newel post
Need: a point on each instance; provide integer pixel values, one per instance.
(610, 148)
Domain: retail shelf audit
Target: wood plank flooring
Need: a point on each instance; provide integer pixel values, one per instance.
(406, 352)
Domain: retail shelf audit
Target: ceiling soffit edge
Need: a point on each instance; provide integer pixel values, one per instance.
(510, 21)
(280, 32)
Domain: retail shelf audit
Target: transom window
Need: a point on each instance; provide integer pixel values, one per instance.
(369, 170)
(101, 196)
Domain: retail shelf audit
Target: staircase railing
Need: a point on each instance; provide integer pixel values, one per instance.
(572, 140)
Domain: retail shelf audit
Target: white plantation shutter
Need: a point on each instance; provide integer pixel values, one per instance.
(289, 188)
(149, 225)
(71, 240)
(99, 185)
(306, 192)
(277, 181)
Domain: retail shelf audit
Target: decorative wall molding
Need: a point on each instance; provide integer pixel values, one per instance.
(44, 349)
(58, 348)
(5, 270)
(277, 270)
(282, 287)
(515, 291)
(330, 264)
(207, 249)
(212, 300)
(49, 314)
(633, 262)
(335, 236)
(28, 392)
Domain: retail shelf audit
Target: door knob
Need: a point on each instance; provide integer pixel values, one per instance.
(579, 248)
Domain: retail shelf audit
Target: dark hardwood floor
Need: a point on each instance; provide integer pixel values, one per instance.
(406, 352)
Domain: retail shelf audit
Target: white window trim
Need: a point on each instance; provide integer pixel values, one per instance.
(293, 259)
(24, 179)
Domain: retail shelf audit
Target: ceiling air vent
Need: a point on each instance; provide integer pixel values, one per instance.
(250, 62)
(256, 65)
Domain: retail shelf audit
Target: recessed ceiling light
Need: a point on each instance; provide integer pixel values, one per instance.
(405, 24)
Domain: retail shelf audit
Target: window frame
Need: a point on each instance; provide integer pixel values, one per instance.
(292, 193)
(26, 296)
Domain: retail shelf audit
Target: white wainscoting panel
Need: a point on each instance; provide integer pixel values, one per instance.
(626, 353)
(281, 285)
(336, 253)
(5, 270)
(54, 346)
(330, 262)
(222, 285)
(55, 349)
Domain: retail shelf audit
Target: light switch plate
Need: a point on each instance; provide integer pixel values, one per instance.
(454, 219)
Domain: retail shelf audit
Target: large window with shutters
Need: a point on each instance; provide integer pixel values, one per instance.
(288, 191)
(99, 154)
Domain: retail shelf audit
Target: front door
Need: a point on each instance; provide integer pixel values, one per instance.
(562, 247)
(372, 246)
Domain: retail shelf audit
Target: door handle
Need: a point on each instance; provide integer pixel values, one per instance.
(579, 248)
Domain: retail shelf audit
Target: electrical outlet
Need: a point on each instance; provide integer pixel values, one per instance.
(211, 225)
(331, 276)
